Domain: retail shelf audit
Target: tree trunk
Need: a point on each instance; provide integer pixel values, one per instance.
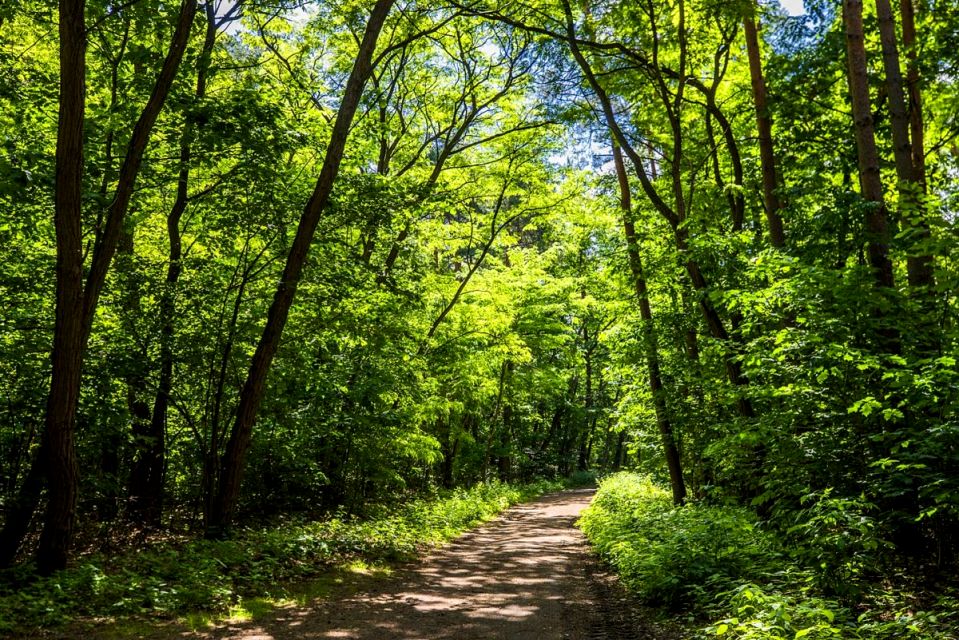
(147, 474)
(106, 242)
(656, 388)
(76, 303)
(898, 116)
(767, 156)
(910, 163)
(870, 180)
(19, 513)
(252, 393)
(916, 126)
(60, 458)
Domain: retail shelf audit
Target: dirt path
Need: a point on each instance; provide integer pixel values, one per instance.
(526, 575)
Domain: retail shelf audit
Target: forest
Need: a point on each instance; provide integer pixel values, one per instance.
(264, 263)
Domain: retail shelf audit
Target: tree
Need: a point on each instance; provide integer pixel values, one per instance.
(229, 482)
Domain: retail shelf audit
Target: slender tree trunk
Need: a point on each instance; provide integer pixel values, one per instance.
(582, 459)
(673, 217)
(76, 303)
(147, 474)
(910, 164)
(504, 462)
(898, 115)
(505, 369)
(870, 179)
(449, 447)
(916, 127)
(767, 156)
(618, 455)
(106, 243)
(252, 393)
(654, 377)
(20, 510)
(134, 374)
(733, 198)
(67, 358)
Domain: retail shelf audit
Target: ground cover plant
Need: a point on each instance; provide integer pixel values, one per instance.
(752, 580)
(216, 576)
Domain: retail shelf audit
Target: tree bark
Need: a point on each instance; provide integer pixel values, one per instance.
(654, 377)
(870, 179)
(147, 474)
(910, 163)
(76, 302)
(106, 243)
(252, 393)
(66, 359)
(767, 155)
(916, 126)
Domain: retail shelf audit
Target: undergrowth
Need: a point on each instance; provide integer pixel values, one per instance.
(212, 575)
(817, 579)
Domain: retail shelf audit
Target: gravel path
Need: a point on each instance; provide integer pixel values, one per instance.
(525, 575)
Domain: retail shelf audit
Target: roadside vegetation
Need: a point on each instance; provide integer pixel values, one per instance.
(823, 573)
(204, 580)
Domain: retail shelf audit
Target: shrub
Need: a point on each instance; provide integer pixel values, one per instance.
(721, 563)
(675, 556)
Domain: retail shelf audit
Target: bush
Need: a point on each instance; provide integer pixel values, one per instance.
(675, 556)
(721, 564)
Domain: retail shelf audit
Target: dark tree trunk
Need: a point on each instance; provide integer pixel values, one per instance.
(106, 242)
(448, 446)
(60, 458)
(656, 388)
(619, 455)
(767, 156)
(870, 180)
(910, 163)
(19, 513)
(252, 393)
(896, 99)
(504, 462)
(147, 474)
(76, 303)
(916, 126)
(919, 267)
(582, 458)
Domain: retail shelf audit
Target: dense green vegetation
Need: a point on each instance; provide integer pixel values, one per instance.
(814, 575)
(263, 259)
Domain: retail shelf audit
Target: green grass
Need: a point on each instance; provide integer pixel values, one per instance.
(203, 581)
(720, 565)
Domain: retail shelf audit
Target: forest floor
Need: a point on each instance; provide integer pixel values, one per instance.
(527, 574)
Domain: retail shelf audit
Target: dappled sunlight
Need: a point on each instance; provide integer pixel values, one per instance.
(519, 576)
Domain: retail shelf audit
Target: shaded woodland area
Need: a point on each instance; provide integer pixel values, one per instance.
(270, 257)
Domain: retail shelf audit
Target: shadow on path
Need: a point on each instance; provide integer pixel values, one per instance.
(526, 575)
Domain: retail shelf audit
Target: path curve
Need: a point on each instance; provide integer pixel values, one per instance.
(526, 575)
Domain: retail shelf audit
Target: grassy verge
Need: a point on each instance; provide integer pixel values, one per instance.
(203, 580)
(741, 580)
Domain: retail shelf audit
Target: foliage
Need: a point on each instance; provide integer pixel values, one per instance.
(753, 581)
(675, 556)
(488, 294)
